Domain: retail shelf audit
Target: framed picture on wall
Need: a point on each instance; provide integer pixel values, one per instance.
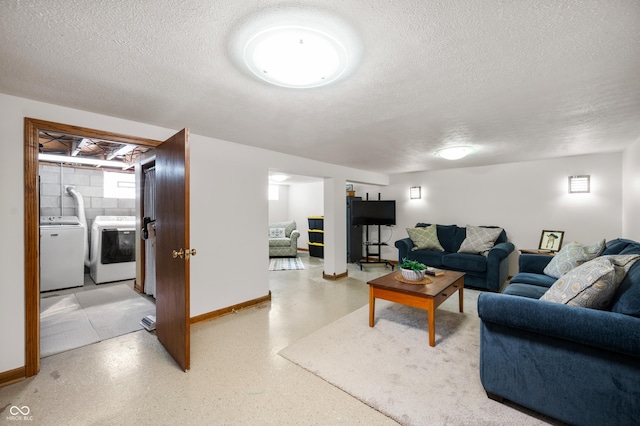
(551, 240)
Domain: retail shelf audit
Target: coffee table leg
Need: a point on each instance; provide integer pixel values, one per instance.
(372, 306)
(461, 297)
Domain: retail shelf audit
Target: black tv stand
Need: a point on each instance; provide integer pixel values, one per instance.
(377, 254)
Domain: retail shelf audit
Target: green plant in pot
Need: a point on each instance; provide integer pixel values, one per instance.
(412, 270)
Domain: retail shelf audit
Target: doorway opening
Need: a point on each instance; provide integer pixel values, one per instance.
(35, 131)
(89, 242)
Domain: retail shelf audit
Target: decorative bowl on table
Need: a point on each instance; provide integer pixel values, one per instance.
(411, 275)
(412, 270)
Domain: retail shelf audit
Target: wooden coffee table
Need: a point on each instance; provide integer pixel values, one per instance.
(424, 296)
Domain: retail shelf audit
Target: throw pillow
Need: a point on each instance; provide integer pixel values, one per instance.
(479, 240)
(592, 284)
(425, 238)
(572, 255)
(276, 233)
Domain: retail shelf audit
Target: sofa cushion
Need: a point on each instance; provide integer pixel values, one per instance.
(572, 255)
(541, 280)
(446, 236)
(616, 246)
(479, 239)
(276, 232)
(465, 261)
(592, 284)
(425, 238)
(525, 290)
(428, 257)
(279, 242)
(633, 248)
(627, 298)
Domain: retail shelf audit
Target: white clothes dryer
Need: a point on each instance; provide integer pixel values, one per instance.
(113, 249)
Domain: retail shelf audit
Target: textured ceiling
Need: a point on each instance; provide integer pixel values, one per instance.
(517, 80)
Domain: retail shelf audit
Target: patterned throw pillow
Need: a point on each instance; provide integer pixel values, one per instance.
(592, 284)
(572, 255)
(425, 238)
(276, 233)
(479, 240)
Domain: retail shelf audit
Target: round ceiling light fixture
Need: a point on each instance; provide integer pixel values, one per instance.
(455, 152)
(279, 177)
(296, 57)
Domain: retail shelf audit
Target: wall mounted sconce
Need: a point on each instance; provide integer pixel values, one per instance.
(579, 184)
(415, 193)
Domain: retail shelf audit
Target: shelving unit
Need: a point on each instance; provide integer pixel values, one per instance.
(316, 236)
(376, 255)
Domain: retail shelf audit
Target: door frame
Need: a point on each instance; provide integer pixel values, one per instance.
(32, 128)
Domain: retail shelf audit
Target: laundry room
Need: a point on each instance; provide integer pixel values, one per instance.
(70, 193)
(88, 244)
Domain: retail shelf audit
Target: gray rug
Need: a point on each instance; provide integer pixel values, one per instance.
(285, 264)
(75, 320)
(392, 368)
(64, 325)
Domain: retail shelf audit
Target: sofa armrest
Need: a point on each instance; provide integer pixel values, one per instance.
(601, 329)
(500, 251)
(498, 265)
(404, 246)
(533, 263)
(295, 234)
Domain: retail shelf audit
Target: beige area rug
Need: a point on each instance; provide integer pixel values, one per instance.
(392, 368)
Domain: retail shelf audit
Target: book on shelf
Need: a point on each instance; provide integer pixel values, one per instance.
(434, 271)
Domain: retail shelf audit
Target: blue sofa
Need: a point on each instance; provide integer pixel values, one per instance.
(484, 272)
(578, 365)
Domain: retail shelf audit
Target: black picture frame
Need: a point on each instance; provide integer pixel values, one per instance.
(551, 241)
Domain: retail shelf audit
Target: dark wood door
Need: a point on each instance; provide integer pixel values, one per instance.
(172, 234)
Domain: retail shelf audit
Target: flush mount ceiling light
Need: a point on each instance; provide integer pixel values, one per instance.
(295, 57)
(279, 178)
(455, 152)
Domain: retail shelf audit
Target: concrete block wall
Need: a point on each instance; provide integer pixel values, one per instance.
(56, 201)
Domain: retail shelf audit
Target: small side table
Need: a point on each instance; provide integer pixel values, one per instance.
(537, 251)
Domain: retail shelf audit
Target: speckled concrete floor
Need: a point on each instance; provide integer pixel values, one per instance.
(236, 376)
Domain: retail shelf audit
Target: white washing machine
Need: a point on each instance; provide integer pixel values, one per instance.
(61, 252)
(113, 249)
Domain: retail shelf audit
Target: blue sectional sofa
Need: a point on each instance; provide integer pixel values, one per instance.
(576, 364)
(487, 272)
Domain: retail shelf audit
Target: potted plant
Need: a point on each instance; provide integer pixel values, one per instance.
(412, 270)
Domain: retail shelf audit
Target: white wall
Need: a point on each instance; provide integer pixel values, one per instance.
(631, 192)
(523, 198)
(229, 212)
(279, 209)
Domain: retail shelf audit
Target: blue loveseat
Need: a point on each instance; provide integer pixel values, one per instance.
(578, 365)
(488, 272)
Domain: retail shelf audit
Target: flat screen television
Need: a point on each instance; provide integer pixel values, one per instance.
(377, 212)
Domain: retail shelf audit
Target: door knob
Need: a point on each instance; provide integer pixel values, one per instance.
(184, 253)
